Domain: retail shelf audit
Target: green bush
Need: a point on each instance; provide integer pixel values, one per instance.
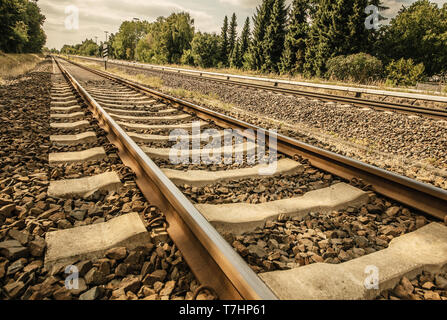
(187, 58)
(404, 72)
(359, 67)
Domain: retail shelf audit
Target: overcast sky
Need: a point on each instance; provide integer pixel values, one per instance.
(97, 16)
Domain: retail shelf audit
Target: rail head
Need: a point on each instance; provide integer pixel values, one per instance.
(244, 279)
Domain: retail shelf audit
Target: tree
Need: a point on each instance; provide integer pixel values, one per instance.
(404, 72)
(232, 34)
(273, 43)
(224, 43)
(338, 28)
(127, 38)
(261, 20)
(67, 49)
(21, 26)
(245, 37)
(111, 40)
(153, 46)
(236, 56)
(34, 20)
(204, 49)
(88, 48)
(293, 57)
(166, 39)
(178, 31)
(418, 32)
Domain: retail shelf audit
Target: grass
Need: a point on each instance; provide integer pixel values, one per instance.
(14, 65)
(153, 82)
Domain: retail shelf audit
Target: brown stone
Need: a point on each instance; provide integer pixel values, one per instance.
(431, 295)
(37, 247)
(95, 277)
(12, 249)
(84, 267)
(441, 282)
(62, 294)
(7, 210)
(157, 275)
(104, 267)
(407, 285)
(391, 212)
(401, 292)
(428, 285)
(21, 236)
(132, 284)
(420, 222)
(119, 253)
(14, 289)
(168, 288)
(57, 216)
(121, 270)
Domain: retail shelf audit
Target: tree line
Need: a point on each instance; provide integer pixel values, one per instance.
(322, 38)
(21, 26)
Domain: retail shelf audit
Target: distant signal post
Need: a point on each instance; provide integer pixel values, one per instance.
(105, 55)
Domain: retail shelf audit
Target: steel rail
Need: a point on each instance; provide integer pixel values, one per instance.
(421, 196)
(413, 94)
(210, 257)
(382, 105)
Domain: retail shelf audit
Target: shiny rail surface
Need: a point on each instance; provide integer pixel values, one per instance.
(210, 257)
(424, 197)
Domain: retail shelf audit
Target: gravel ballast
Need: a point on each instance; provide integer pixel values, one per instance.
(410, 145)
(156, 271)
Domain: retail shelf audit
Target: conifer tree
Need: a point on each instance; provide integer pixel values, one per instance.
(245, 37)
(337, 29)
(236, 56)
(224, 43)
(232, 34)
(293, 57)
(273, 43)
(261, 21)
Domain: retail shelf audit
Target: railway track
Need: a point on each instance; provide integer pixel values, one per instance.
(379, 104)
(101, 234)
(315, 207)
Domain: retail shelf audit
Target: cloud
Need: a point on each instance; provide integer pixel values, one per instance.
(95, 17)
(396, 5)
(242, 3)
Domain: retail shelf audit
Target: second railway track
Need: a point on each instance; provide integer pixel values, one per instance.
(309, 231)
(378, 103)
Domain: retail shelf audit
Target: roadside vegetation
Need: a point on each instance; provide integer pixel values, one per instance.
(21, 27)
(310, 39)
(14, 65)
(21, 37)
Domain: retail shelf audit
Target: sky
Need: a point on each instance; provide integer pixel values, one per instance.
(97, 16)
